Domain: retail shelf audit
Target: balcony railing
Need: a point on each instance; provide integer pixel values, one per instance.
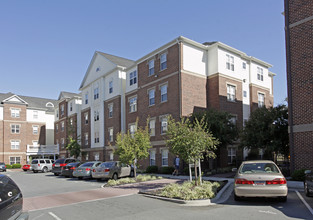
(43, 149)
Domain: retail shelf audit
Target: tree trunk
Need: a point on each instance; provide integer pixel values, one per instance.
(196, 175)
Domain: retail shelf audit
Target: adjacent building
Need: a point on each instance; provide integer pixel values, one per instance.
(27, 130)
(299, 51)
(177, 79)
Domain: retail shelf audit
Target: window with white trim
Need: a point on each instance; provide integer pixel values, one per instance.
(86, 98)
(231, 155)
(233, 120)
(261, 101)
(132, 129)
(231, 93)
(62, 142)
(86, 139)
(15, 160)
(35, 129)
(86, 118)
(163, 61)
(15, 112)
(15, 144)
(244, 65)
(163, 125)
(164, 157)
(96, 115)
(96, 93)
(56, 128)
(260, 73)
(111, 156)
(97, 137)
(96, 156)
(152, 157)
(164, 93)
(244, 93)
(15, 129)
(71, 121)
(151, 67)
(230, 62)
(35, 143)
(111, 86)
(151, 97)
(71, 106)
(111, 134)
(133, 78)
(62, 126)
(110, 106)
(152, 127)
(133, 104)
(62, 110)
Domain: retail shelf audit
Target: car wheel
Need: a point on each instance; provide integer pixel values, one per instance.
(236, 198)
(115, 176)
(25, 170)
(306, 189)
(45, 169)
(283, 199)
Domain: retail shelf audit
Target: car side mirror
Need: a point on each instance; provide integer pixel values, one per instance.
(234, 170)
(307, 171)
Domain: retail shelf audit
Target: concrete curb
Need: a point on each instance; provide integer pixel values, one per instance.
(221, 196)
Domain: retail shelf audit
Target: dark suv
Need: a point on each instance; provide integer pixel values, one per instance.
(58, 164)
(11, 200)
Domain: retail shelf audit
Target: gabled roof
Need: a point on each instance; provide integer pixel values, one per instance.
(68, 95)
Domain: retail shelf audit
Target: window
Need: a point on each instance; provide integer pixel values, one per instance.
(110, 87)
(163, 61)
(96, 116)
(15, 112)
(260, 74)
(244, 65)
(86, 118)
(245, 93)
(163, 125)
(164, 93)
(57, 128)
(231, 155)
(62, 142)
(71, 106)
(230, 62)
(62, 110)
(57, 113)
(111, 134)
(15, 145)
(132, 129)
(35, 129)
(152, 158)
(71, 121)
(15, 160)
(86, 98)
(35, 143)
(97, 137)
(15, 129)
(260, 100)
(165, 157)
(87, 156)
(133, 78)
(151, 97)
(152, 127)
(35, 114)
(110, 106)
(111, 156)
(151, 67)
(231, 93)
(133, 104)
(96, 93)
(62, 126)
(86, 138)
(233, 120)
(96, 156)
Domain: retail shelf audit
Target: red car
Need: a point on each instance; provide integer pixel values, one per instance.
(26, 167)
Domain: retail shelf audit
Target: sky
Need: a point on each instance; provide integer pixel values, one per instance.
(46, 46)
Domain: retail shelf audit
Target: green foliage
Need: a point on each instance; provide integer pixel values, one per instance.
(16, 166)
(152, 169)
(298, 175)
(73, 147)
(267, 129)
(133, 147)
(167, 170)
(188, 190)
(8, 166)
(140, 178)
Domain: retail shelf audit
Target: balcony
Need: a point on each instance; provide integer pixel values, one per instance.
(42, 149)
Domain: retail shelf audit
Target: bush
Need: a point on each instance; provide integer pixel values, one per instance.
(167, 170)
(298, 175)
(152, 169)
(8, 166)
(16, 166)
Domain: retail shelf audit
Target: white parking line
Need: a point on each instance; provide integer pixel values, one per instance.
(305, 203)
(54, 216)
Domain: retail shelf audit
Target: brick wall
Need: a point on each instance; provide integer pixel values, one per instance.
(85, 128)
(113, 122)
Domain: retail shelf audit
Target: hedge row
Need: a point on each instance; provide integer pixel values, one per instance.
(13, 166)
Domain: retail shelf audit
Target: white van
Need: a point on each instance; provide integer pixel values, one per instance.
(43, 165)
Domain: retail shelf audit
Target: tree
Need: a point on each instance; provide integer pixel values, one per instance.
(267, 129)
(133, 147)
(190, 141)
(73, 147)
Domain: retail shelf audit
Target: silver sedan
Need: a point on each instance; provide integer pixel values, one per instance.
(260, 178)
(85, 169)
(111, 170)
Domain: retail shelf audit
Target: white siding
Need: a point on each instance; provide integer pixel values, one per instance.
(1, 113)
(194, 59)
(30, 115)
(129, 87)
(267, 81)
(49, 129)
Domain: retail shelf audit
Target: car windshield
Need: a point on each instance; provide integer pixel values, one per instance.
(60, 161)
(258, 168)
(108, 164)
(87, 165)
(34, 161)
(73, 164)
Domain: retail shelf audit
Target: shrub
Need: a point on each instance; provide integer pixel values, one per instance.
(140, 178)
(298, 175)
(167, 170)
(8, 166)
(17, 165)
(152, 169)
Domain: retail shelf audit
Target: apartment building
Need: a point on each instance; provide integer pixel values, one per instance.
(299, 44)
(177, 79)
(26, 125)
(67, 123)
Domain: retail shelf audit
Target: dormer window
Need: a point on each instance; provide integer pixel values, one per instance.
(230, 62)
(260, 73)
(133, 78)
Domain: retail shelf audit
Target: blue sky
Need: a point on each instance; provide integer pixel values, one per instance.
(46, 46)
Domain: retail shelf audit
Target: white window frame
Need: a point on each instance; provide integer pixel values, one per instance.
(230, 62)
(151, 67)
(164, 153)
(151, 95)
(35, 129)
(231, 93)
(260, 73)
(132, 128)
(62, 110)
(261, 99)
(56, 128)
(163, 89)
(86, 139)
(164, 124)
(111, 87)
(152, 127)
(96, 93)
(110, 107)
(71, 106)
(16, 160)
(231, 154)
(62, 126)
(97, 140)
(133, 104)
(133, 78)
(96, 115)
(152, 158)
(86, 98)
(110, 134)
(244, 65)
(15, 112)
(15, 144)
(15, 128)
(163, 61)
(111, 156)
(86, 118)
(62, 142)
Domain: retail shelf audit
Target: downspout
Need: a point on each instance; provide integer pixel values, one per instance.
(290, 103)
(179, 77)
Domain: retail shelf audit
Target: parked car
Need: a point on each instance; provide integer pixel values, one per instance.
(42, 165)
(111, 170)
(11, 203)
(260, 178)
(67, 170)
(26, 167)
(58, 164)
(3, 167)
(308, 183)
(85, 169)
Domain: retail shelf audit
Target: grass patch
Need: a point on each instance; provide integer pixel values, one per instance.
(140, 178)
(188, 190)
